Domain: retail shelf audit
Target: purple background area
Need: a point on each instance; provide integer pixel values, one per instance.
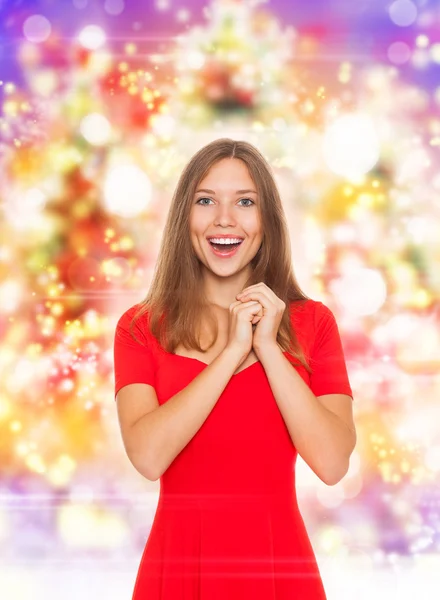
(359, 31)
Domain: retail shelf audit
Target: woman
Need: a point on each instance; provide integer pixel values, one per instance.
(223, 374)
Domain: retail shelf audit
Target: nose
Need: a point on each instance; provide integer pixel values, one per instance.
(224, 214)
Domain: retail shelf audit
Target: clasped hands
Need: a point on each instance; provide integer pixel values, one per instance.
(266, 329)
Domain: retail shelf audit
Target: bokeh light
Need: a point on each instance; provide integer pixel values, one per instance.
(127, 190)
(102, 106)
(92, 37)
(37, 28)
(351, 145)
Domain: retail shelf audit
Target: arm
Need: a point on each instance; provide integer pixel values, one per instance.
(161, 434)
(322, 438)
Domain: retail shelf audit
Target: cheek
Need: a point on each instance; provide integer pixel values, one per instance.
(198, 222)
(252, 225)
(253, 218)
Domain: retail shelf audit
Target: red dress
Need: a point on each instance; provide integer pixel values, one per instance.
(227, 523)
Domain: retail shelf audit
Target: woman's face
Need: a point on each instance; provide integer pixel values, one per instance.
(226, 204)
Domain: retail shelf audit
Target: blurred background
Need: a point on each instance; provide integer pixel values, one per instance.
(102, 105)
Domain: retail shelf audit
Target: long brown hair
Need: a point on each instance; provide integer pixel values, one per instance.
(175, 299)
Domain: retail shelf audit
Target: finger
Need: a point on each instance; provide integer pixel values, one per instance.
(259, 296)
(256, 286)
(259, 287)
(240, 303)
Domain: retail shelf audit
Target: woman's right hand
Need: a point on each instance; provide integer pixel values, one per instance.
(242, 316)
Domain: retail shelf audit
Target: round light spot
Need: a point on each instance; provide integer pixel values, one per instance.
(422, 41)
(92, 37)
(351, 146)
(127, 190)
(195, 59)
(24, 210)
(96, 129)
(399, 53)
(163, 125)
(434, 52)
(362, 291)
(114, 7)
(403, 13)
(37, 28)
(162, 4)
(420, 58)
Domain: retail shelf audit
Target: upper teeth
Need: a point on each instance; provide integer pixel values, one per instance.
(225, 240)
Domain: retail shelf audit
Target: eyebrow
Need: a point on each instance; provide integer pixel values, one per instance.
(237, 192)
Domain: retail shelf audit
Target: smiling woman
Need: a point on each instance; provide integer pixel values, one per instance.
(212, 407)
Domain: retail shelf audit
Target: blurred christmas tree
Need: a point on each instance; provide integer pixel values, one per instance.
(91, 152)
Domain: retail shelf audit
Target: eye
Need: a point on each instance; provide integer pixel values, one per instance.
(241, 199)
(250, 200)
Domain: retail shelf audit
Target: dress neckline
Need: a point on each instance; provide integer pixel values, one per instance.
(257, 362)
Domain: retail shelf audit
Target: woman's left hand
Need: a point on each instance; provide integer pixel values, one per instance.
(266, 330)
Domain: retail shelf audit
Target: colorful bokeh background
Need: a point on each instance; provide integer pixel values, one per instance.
(102, 105)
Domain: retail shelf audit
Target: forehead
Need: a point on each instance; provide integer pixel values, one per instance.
(232, 168)
(211, 191)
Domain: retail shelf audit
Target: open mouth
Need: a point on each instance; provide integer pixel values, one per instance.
(225, 249)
